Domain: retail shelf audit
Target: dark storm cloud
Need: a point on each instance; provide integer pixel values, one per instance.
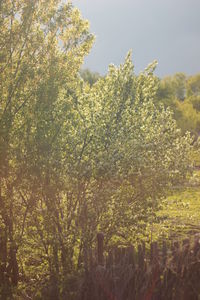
(166, 30)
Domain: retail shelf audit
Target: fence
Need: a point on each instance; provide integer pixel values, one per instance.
(161, 271)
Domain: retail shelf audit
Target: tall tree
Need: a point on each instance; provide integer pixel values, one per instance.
(43, 44)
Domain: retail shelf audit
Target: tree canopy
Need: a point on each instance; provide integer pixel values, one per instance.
(75, 158)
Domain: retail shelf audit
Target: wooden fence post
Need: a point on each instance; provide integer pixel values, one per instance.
(141, 257)
(100, 238)
(154, 252)
(196, 243)
(164, 252)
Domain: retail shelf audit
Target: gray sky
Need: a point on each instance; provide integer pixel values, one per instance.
(165, 30)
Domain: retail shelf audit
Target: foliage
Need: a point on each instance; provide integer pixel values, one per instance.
(182, 94)
(43, 44)
(75, 158)
(89, 76)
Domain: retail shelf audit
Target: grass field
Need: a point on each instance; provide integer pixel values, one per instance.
(180, 213)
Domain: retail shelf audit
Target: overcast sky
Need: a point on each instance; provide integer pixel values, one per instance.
(165, 30)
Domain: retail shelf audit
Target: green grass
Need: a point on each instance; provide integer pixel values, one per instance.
(180, 213)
